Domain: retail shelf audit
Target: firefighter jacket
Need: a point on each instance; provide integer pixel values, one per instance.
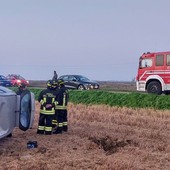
(47, 99)
(62, 98)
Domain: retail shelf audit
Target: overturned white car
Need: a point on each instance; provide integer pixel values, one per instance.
(15, 111)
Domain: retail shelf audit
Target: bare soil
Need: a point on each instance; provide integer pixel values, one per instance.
(99, 138)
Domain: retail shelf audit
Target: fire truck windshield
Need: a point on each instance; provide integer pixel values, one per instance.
(147, 62)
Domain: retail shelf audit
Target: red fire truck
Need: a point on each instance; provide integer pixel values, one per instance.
(154, 72)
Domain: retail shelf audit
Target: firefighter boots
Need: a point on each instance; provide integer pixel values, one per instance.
(58, 130)
(40, 131)
(65, 128)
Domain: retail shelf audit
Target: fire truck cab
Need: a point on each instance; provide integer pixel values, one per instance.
(154, 72)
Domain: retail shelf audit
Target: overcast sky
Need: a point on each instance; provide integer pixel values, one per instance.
(100, 39)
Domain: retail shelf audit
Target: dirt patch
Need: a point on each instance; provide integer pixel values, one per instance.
(110, 145)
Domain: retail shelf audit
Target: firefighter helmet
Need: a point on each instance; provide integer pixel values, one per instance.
(22, 85)
(60, 81)
(54, 84)
(49, 84)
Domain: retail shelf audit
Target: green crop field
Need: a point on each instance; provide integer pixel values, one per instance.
(131, 99)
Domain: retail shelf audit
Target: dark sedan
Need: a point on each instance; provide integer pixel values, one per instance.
(79, 82)
(4, 81)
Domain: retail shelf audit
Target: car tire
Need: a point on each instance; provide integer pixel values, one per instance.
(154, 87)
(81, 87)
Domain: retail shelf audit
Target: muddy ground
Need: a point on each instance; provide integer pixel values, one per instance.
(99, 138)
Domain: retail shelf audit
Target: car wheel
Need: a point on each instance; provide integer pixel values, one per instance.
(154, 87)
(80, 87)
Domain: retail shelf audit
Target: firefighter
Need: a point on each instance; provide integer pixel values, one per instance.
(55, 87)
(47, 99)
(22, 87)
(61, 108)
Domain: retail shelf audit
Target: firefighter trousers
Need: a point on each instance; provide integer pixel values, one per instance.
(59, 117)
(65, 123)
(45, 124)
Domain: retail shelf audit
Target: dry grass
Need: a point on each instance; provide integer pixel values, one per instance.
(99, 137)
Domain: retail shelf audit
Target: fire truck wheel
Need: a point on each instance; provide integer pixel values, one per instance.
(154, 87)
